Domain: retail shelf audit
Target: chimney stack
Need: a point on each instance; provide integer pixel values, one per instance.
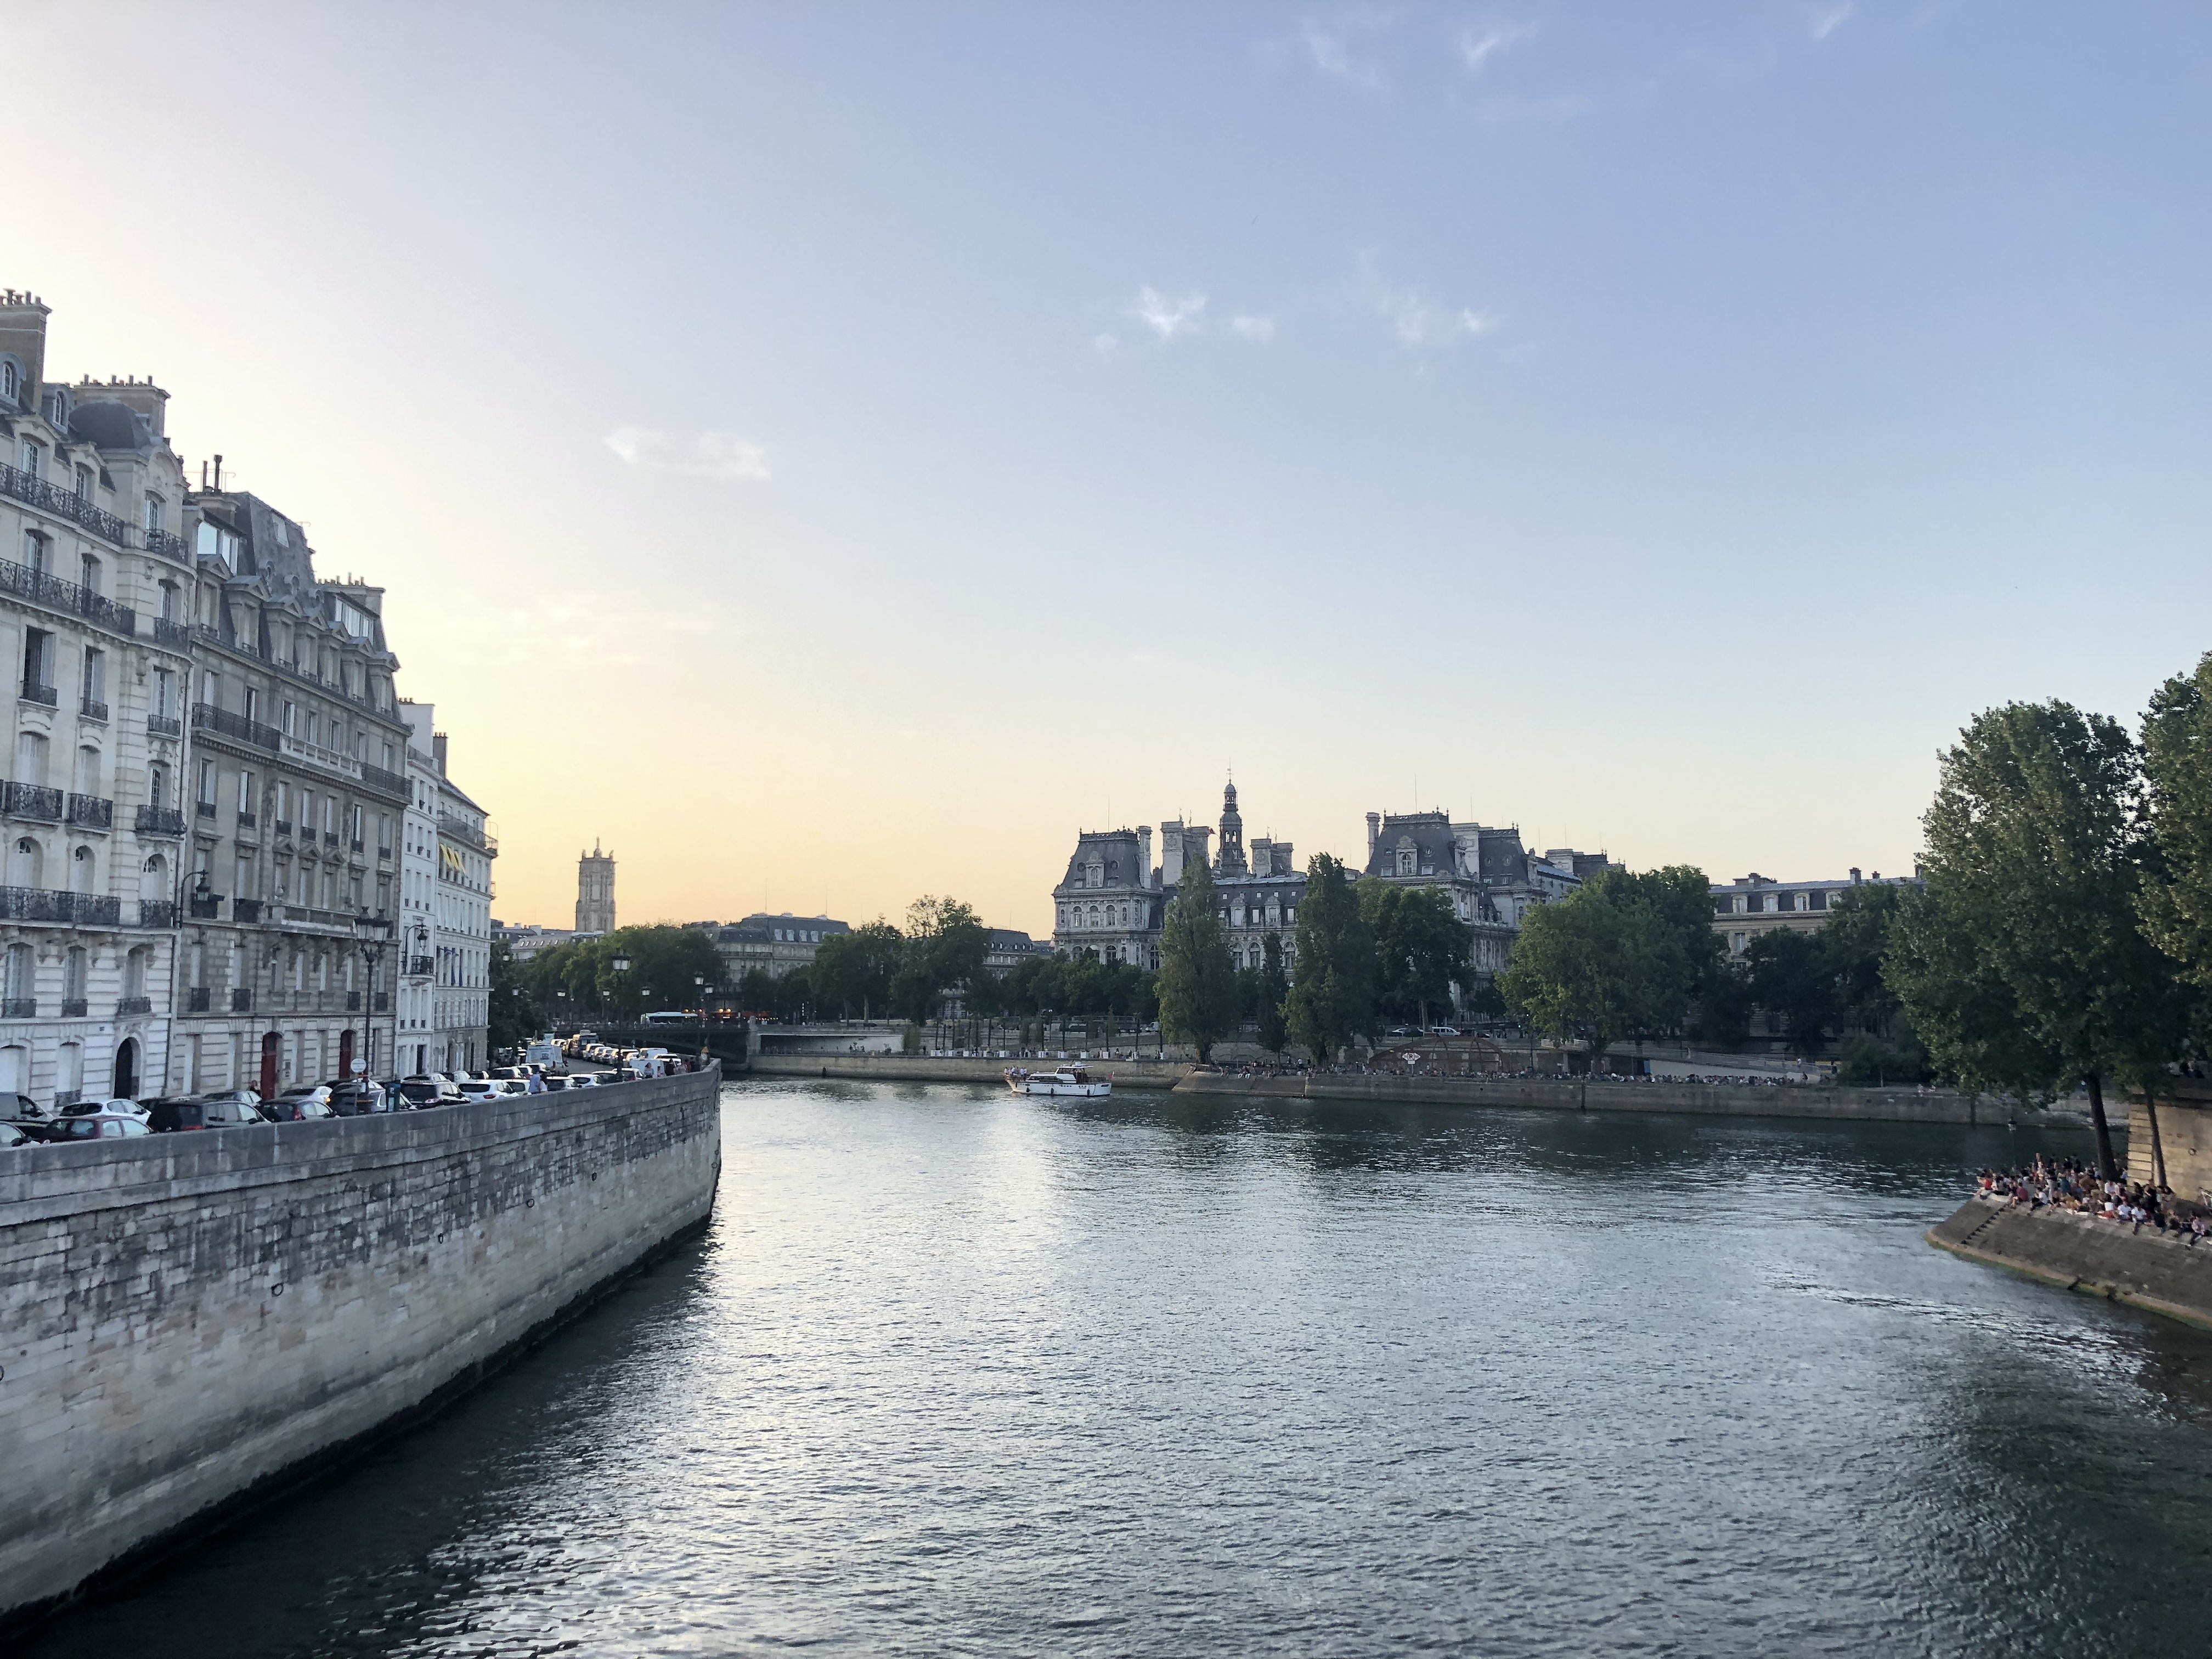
(438, 751)
(1374, 831)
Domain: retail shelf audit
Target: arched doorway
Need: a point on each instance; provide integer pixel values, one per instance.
(126, 1069)
(345, 1053)
(270, 1044)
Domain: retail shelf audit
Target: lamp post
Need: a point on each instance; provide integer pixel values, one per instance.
(620, 964)
(366, 929)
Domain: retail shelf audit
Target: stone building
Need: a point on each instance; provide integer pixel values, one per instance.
(461, 901)
(595, 891)
(773, 945)
(297, 790)
(1755, 904)
(1491, 879)
(95, 569)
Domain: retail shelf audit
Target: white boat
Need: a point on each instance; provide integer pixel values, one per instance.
(1067, 1080)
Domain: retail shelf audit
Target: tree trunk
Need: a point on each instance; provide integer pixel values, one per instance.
(2104, 1165)
(2157, 1147)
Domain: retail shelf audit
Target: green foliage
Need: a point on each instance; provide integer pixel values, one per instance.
(1793, 976)
(946, 946)
(578, 980)
(1274, 992)
(515, 1015)
(851, 975)
(1332, 1000)
(1079, 985)
(2177, 764)
(1865, 1059)
(1724, 1007)
(1856, 941)
(1626, 952)
(1197, 985)
(1421, 949)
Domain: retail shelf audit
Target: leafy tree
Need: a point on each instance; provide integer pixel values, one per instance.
(1793, 975)
(946, 946)
(1332, 998)
(515, 1015)
(665, 963)
(851, 972)
(1725, 1006)
(2177, 764)
(1573, 971)
(1274, 991)
(1856, 941)
(2025, 963)
(1421, 949)
(1197, 985)
(1674, 952)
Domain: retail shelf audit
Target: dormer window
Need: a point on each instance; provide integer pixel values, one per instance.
(57, 411)
(11, 380)
(155, 509)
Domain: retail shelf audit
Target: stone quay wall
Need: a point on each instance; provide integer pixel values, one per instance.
(925, 1068)
(2179, 1155)
(2151, 1270)
(1577, 1094)
(190, 1324)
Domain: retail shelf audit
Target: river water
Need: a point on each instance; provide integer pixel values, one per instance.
(958, 1373)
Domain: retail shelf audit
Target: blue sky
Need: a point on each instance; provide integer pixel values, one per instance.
(894, 437)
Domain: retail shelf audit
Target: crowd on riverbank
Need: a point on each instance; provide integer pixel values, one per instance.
(2066, 1183)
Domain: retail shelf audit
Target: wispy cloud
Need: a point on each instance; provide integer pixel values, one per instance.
(702, 455)
(1826, 21)
(1106, 345)
(1478, 46)
(1333, 53)
(1166, 317)
(1416, 321)
(1258, 330)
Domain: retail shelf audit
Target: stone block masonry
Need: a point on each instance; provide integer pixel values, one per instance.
(187, 1325)
(2159, 1273)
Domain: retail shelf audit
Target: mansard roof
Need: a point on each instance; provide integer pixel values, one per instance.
(1429, 833)
(109, 424)
(1118, 850)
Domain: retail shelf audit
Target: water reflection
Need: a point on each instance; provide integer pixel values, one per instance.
(960, 1372)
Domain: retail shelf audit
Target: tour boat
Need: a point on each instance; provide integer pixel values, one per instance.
(1067, 1080)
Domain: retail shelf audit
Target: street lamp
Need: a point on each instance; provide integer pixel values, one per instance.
(365, 928)
(620, 964)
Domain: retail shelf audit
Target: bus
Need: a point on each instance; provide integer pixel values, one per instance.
(668, 1017)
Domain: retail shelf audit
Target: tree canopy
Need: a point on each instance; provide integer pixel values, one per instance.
(1197, 985)
(1421, 949)
(2176, 766)
(1332, 998)
(1627, 952)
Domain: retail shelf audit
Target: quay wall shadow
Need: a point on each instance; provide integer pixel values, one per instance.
(924, 1068)
(190, 1325)
(2156, 1272)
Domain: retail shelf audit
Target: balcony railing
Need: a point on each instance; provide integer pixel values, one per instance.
(330, 837)
(206, 717)
(419, 967)
(175, 635)
(48, 904)
(164, 726)
(380, 1002)
(74, 1007)
(246, 820)
(353, 1002)
(281, 826)
(31, 800)
(160, 821)
(161, 541)
(33, 692)
(157, 913)
(133, 1006)
(55, 594)
(356, 845)
(19, 1008)
(241, 1000)
(206, 907)
(92, 709)
(388, 783)
(90, 812)
(247, 910)
(384, 855)
(462, 829)
(14, 481)
(204, 808)
(196, 1000)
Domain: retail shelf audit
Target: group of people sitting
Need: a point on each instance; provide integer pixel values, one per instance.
(2065, 1183)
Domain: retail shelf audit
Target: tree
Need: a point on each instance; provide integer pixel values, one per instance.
(514, 1015)
(2177, 765)
(946, 946)
(1675, 952)
(851, 972)
(665, 965)
(2027, 956)
(1274, 992)
(1856, 941)
(1573, 970)
(1332, 998)
(1421, 949)
(1197, 984)
(1794, 975)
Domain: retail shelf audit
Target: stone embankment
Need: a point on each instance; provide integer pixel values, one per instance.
(189, 1325)
(2159, 1273)
(924, 1068)
(1576, 1094)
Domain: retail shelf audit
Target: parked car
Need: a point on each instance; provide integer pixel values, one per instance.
(429, 1088)
(1443, 1030)
(167, 1114)
(362, 1095)
(583, 1080)
(234, 1109)
(493, 1088)
(102, 1125)
(300, 1106)
(21, 1107)
(12, 1136)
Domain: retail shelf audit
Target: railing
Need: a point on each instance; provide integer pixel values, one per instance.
(90, 812)
(203, 808)
(74, 1007)
(164, 726)
(175, 635)
(356, 846)
(246, 910)
(48, 904)
(160, 821)
(462, 829)
(14, 481)
(19, 1008)
(384, 855)
(282, 826)
(206, 717)
(91, 708)
(157, 913)
(247, 820)
(31, 800)
(206, 907)
(133, 1006)
(380, 1002)
(33, 692)
(241, 1000)
(353, 1002)
(389, 783)
(196, 1000)
(55, 594)
(419, 967)
(161, 541)
(330, 839)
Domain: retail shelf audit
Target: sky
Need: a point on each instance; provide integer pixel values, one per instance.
(833, 454)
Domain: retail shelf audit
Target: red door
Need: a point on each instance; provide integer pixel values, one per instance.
(345, 1054)
(269, 1047)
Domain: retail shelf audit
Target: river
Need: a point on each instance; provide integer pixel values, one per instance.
(955, 1373)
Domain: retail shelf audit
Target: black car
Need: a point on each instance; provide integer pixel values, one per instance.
(360, 1096)
(166, 1114)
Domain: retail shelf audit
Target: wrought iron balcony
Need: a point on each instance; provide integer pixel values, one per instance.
(241, 1000)
(73, 1007)
(380, 1002)
(206, 717)
(419, 967)
(384, 782)
(164, 726)
(90, 812)
(204, 808)
(206, 907)
(331, 838)
(157, 913)
(55, 594)
(31, 800)
(133, 1006)
(175, 635)
(33, 692)
(196, 1000)
(282, 826)
(48, 904)
(92, 709)
(353, 1002)
(160, 821)
(384, 855)
(355, 844)
(247, 820)
(169, 546)
(462, 829)
(24, 487)
(247, 910)
(19, 1008)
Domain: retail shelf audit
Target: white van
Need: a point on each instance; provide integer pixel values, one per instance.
(667, 1016)
(545, 1054)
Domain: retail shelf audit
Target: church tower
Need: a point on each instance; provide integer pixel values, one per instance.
(1231, 859)
(595, 891)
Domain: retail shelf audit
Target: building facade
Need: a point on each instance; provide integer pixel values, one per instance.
(1755, 904)
(460, 893)
(1491, 879)
(771, 945)
(595, 891)
(93, 574)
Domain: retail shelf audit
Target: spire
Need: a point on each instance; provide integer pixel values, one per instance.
(1230, 860)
